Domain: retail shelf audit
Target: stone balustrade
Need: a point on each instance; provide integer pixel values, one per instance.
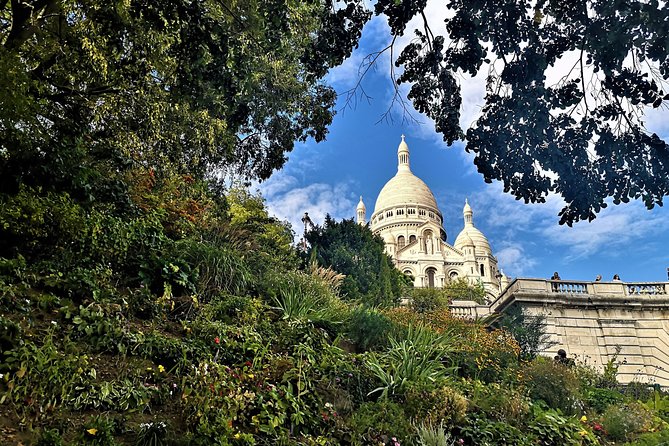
(594, 320)
(468, 309)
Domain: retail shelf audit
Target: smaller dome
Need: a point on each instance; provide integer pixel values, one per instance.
(470, 235)
(463, 240)
(361, 205)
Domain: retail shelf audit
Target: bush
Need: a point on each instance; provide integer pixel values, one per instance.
(553, 383)
(479, 430)
(424, 300)
(660, 438)
(50, 437)
(377, 423)
(621, 422)
(444, 406)
(600, 399)
(429, 435)
(499, 403)
(369, 329)
(553, 429)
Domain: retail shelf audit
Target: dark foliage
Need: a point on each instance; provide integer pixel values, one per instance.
(352, 249)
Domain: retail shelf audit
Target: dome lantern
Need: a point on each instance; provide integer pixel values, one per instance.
(403, 157)
(361, 212)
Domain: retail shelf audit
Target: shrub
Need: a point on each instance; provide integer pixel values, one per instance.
(554, 429)
(415, 359)
(380, 422)
(659, 438)
(600, 399)
(369, 329)
(219, 268)
(621, 422)
(528, 330)
(499, 403)
(429, 435)
(424, 300)
(444, 406)
(99, 432)
(302, 297)
(39, 378)
(50, 437)
(479, 430)
(230, 309)
(553, 383)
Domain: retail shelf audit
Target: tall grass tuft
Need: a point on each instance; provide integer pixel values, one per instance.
(429, 435)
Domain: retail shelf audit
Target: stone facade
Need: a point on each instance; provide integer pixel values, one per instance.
(408, 219)
(595, 321)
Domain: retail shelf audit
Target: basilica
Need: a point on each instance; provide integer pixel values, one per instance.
(407, 218)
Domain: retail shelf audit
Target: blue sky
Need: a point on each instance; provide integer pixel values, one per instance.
(359, 156)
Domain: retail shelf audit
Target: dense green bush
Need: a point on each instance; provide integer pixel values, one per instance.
(443, 406)
(555, 384)
(380, 422)
(621, 422)
(498, 402)
(424, 300)
(599, 399)
(369, 329)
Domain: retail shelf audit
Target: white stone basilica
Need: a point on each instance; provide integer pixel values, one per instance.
(408, 219)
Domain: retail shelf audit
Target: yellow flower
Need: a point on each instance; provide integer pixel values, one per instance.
(237, 435)
(161, 369)
(584, 419)
(583, 433)
(92, 431)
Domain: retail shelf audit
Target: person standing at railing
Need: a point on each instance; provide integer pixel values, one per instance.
(554, 286)
(616, 278)
(598, 278)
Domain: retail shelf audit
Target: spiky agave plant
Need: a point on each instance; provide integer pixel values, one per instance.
(417, 358)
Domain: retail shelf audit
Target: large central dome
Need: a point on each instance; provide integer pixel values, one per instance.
(405, 187)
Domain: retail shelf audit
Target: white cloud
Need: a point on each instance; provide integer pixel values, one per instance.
(289, 203)
(514, 261)
(615, 230)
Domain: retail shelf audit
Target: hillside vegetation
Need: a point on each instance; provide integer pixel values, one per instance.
(191, 319)
(144, 303)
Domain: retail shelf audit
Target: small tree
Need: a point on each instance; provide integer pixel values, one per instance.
(529, 331)
(461, 289)
(353, 250)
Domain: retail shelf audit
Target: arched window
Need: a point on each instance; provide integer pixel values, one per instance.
(482, 270)
(453, 275)
(430, 277)
(400, 242)
(412, 238)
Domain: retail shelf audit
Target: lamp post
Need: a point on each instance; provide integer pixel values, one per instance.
(307, 222)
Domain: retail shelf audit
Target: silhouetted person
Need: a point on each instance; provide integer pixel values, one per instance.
(561, 357)
(598, 278)
(616, 278)
(556, 276)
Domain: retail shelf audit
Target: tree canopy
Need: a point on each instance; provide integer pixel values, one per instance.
(352, 249)
(90, 89)
(582, 135)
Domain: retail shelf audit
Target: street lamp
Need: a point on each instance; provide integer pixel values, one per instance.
(307, 222)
